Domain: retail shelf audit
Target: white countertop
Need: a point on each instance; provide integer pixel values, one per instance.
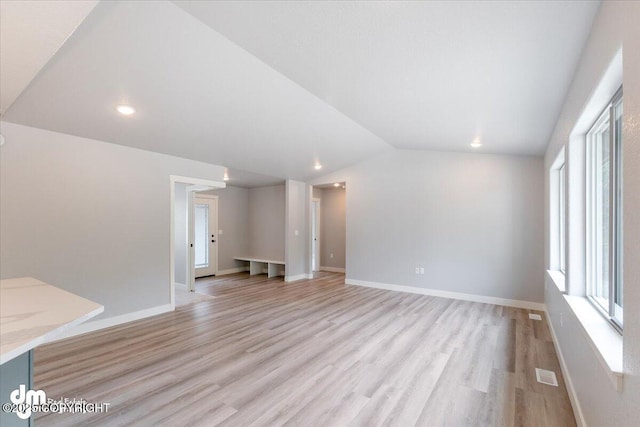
(32, 312)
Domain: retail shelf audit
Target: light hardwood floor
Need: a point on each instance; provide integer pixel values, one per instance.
(313, 352)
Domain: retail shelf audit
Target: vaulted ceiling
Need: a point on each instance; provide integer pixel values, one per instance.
(274, 87)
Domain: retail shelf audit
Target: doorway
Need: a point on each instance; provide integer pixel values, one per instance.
(205, 240)
(328, 227)
(315, 234)
(182, 196)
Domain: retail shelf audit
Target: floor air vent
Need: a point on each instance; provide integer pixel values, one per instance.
(546, 377)
(533, 316)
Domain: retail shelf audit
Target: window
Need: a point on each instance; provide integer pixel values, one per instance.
(604, 210)
(561, 218)
(557, 219)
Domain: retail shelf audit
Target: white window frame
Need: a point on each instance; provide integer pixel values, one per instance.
(557, 215)
(562, 218)
(610, 309)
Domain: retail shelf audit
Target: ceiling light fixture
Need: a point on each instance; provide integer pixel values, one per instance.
(225, 177)
(337, 184)
(476, 143)
(125, 110)
(318, 166)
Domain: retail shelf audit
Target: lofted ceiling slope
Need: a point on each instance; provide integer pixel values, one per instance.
(30, 34)
(422, 74)
(196, 94)
(274, 87)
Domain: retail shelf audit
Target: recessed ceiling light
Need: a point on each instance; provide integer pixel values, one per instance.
(125, 110)
(476, 143)
(337, 184)
(318, 166)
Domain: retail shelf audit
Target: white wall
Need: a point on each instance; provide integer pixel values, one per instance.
(333, 218)
(180, 230)
(233, 220)
(617, 25)
(267, 222)
(474, 222)
(89, 217)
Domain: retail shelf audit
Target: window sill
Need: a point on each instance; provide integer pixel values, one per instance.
(557, 277)
(603, 338)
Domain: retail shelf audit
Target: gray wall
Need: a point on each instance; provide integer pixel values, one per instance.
(615, 26)
(180, 233)
(333, 216)
(298, 229)
(266, 222)
(474, 222)
(233, 220)
(90, 217)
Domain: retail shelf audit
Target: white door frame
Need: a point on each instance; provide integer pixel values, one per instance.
(192, 265)
(315, 200)
(173, 180)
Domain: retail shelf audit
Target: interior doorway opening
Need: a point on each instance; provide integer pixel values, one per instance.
(328, 217)
(315, 234)
(182, 198)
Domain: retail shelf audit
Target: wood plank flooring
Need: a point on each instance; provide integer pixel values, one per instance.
(313, 352)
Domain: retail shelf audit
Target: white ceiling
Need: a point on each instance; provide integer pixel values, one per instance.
(273, 87)
(197, 96)
(241, 178)
(424, 75)
(30, 34)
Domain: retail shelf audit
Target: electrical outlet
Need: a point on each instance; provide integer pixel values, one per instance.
(331, 255)
(421, 270)
(296, 232)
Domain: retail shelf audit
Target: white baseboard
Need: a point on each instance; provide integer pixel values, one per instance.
(96, 325)
(332, 269)
(180, 286)
(232, 271)
(447, 294)
(573, 396)
(298, 277)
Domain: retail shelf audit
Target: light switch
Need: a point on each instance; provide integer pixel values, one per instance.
(219, 232)
(296, 232)
(421, 270)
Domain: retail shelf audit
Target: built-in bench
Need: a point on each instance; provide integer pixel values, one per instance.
(272, 267)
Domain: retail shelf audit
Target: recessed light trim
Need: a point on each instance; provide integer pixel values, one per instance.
(125, 110)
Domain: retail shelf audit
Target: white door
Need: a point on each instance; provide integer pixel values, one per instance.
(315, 235)
(205, 242)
